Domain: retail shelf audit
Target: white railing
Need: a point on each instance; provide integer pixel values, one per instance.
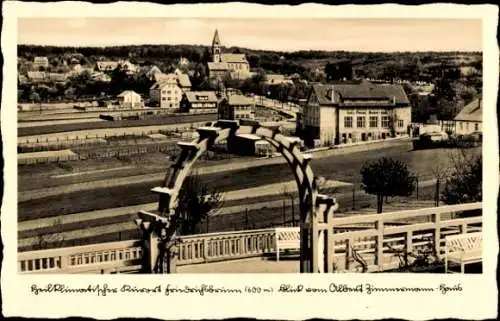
(384, 234)
(374, 237)
(114, 257)
(212, 247)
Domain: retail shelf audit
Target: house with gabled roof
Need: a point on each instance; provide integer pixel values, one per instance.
(199, 102)
(350, 113)
(130, 99)
(470, 119)
(235, 107)
(40, 62)
(168, 89)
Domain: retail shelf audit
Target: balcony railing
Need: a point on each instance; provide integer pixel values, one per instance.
(373, 237)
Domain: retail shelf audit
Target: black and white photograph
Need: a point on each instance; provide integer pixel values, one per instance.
(248, 150)
(218, 145)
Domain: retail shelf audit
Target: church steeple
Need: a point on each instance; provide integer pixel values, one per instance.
(216, 47)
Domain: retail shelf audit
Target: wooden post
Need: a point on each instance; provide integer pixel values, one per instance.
(379, 258)
(348, 254)
(436, 219)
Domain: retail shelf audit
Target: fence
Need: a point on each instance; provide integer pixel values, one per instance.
(369, 238)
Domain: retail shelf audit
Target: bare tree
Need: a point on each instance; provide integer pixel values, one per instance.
(54, 237)
(440, 172)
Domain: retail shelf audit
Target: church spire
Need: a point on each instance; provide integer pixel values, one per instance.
(216, 40)
(216, 48)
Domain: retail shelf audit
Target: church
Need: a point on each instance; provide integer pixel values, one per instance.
(224, 64)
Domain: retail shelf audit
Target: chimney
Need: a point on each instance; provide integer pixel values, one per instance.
(332, 94)
(479, 102)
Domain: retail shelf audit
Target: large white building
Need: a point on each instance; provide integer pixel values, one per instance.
(348, 113)
(168, 90)
(224, 64)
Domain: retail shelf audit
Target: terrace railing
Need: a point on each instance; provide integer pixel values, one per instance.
(374, 238)
(382, 239)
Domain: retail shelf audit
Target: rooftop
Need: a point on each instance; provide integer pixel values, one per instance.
(365, 92)
(471, 112)
(201, 96)
(218, 66)
(240, 100)
(232, 58)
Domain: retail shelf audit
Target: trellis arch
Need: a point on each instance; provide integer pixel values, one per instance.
(299, 163)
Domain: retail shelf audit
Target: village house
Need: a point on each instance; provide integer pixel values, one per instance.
(57, 77)
(199, 102)
(227, 64)
(470, 119)
(106, 66)
(183, 61)
(237, 107)
(40, 62)
(130, 99)
(100, 76)
(151, 71)
(277, 79)
(349, 113)
(167, 91)
(36, 76)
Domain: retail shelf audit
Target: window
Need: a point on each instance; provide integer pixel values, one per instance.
(373, 121)
(385, 121)
(400, 123)
(467, 126)
(360, 123)
(348, 121)
(461, 125)
(169, 92)
(163, 98)
(476, 127)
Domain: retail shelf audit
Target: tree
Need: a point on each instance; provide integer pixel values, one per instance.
(464, 185)
(196, 202)
(387, 177)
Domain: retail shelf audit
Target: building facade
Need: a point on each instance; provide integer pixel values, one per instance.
(234, 65)
(349, 113)
(237, 107)
(130, 99)
(40, 62)
(168, 90)
(199, 102)
(470, 119)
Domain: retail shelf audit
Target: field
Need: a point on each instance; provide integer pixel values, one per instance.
(89, 128)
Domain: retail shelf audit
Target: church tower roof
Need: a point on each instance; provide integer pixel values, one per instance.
(216, 40)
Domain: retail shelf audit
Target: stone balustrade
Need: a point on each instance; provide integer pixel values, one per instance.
(213, 247)
(113, 257)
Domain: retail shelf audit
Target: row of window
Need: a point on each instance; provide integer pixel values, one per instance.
(373, 122)
(242, 108)
(242, 116)
(476, 126)
(169, 98)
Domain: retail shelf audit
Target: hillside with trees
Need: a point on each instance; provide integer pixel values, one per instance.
(456, 76)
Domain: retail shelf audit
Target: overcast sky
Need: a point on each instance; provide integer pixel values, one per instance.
(274, 34)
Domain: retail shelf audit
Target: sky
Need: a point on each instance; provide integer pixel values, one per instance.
(376, 35)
